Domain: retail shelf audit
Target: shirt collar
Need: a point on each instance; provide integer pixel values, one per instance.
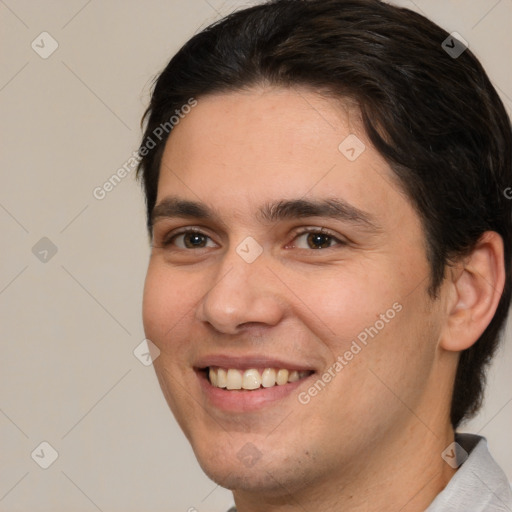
(479, 484)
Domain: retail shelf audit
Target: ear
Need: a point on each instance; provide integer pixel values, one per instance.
(475, 289)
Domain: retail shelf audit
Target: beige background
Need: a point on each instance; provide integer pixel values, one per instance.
(68, 375)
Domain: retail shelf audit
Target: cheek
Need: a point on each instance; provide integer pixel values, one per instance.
(373, 321)
(166, 300)
(153, 304)
(343, 302)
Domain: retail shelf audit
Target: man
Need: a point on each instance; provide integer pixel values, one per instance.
(331, 256)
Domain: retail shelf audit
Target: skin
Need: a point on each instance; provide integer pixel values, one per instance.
(372, 438)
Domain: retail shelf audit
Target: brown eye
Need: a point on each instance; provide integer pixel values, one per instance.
(316, 239)
(194, 240)
(189, 239)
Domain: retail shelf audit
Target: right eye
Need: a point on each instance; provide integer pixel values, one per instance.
(187, 239)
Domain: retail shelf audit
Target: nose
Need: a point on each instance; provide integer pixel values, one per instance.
(241, 295)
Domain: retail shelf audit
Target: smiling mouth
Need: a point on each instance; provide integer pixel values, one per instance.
(252, 378)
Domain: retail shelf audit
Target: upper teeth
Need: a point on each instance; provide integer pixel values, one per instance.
(252, 379)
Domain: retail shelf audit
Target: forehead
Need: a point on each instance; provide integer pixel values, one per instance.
(278, 125)
(243, 149)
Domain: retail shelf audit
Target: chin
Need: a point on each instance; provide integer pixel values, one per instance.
(269, 471)
(269, 482)
(237, 479)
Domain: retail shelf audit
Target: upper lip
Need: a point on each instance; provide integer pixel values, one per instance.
(250, 361)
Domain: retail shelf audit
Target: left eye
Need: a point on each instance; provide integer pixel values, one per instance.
(317, 240)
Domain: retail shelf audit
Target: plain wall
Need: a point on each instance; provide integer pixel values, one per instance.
(69, 325)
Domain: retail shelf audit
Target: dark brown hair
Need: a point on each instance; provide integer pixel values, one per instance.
(434, 117)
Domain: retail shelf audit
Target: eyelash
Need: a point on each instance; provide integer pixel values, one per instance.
(167, 240)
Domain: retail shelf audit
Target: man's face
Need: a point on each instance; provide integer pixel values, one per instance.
(251, 290)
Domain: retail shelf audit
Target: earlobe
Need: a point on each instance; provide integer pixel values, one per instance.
(476, 289)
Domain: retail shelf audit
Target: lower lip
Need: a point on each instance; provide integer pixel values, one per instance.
(244, 400)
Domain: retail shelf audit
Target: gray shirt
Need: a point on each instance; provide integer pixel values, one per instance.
(479, 485)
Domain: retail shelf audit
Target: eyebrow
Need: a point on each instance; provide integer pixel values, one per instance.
(337, 209)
